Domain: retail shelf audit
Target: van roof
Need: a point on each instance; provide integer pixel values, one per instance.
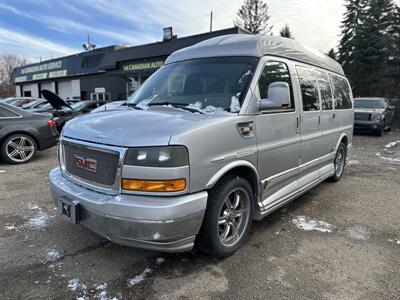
(258, 46)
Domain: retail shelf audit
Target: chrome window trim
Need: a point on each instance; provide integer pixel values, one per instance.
(113, 189)
(16, 117)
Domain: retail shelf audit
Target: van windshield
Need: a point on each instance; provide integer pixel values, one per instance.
(369, 103)
(207, 85)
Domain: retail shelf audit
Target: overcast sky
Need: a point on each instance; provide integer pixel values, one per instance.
(50, 28)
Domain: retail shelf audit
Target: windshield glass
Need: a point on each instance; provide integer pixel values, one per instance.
(370, 103)
(30, 104)
(209, 84)
(75, 106)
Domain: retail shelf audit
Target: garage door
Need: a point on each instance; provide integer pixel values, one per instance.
(65, 89)
(47, 86)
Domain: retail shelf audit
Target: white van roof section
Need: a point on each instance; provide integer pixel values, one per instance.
(258, 46)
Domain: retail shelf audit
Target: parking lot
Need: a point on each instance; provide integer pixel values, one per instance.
(338, 241)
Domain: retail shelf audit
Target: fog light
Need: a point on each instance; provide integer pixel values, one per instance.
(175, 185)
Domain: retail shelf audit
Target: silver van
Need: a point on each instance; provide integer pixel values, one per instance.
(226, 132)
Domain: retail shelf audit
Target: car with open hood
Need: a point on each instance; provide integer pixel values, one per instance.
(64, 111)
(226, 132)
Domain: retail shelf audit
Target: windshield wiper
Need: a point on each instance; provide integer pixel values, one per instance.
(177, 105)
(133, 105)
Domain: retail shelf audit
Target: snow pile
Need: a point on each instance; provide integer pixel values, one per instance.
(10, 227)
(235, 104)
(353, 162)
(144, 104)
(358, 233)
(74, 284)
(396, 241)
(139, 278)
(53, 255)
(2, 171)
(39, 221)
(392, 144)
(160, 260)
(309, 224)
(209, 109)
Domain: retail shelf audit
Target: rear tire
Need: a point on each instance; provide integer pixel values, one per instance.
(228, 217)
(339, 163)
(18, 149)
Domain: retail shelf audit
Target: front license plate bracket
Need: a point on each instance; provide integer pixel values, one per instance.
(69, 210)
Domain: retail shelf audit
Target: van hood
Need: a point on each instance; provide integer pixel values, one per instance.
(135, 128)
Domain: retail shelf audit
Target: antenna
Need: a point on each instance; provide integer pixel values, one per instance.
(211, 20)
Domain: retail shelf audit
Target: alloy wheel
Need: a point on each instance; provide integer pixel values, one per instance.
(339, 162)
(20, 149)
(233, 217)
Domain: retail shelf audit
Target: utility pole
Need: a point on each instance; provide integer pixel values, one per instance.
(211, 20)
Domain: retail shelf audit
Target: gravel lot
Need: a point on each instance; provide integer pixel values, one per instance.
(339, 241)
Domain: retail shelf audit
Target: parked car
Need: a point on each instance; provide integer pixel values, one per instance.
(228, 131)
(23, 133)
(19, 101)
(111, 106)
(37, 104)
(63, 111)
(373, 114)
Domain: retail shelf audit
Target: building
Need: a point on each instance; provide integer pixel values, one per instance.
(109, 73)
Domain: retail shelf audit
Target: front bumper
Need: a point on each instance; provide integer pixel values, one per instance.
(168, 223)
(366, 125)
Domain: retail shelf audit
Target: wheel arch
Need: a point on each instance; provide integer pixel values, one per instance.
(242, 169)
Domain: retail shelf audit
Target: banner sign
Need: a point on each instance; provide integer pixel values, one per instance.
(42, 67)
(142, 66)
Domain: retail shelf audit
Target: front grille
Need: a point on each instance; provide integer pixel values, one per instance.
(103, 168)
(362, 116)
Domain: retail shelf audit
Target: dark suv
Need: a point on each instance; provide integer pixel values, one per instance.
(372, 114)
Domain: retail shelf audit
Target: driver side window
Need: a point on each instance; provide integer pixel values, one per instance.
(275, 71)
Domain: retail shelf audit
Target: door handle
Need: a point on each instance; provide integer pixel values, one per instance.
(319, 120)
(333, 116)
(297, 125)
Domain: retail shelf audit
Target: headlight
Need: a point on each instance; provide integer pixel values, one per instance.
(376, 116)
(170, 156)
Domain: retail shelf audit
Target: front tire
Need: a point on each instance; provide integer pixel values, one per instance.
(18, 149)
(339, 163)
(228, 217)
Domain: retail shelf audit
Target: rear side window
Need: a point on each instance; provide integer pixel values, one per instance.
(275, 71)
(325, 90)
(5, 113)
(309, 90)
(341, 92)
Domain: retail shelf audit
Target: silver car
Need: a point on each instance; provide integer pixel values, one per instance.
(228, 131)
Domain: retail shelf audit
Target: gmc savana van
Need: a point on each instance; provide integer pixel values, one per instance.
(226, 132)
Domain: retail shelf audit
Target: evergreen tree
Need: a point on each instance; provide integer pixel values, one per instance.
(253, 16)
(332, 54)
(285, 32)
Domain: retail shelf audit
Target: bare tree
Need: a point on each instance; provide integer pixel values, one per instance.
(253, 16)
(7, 64)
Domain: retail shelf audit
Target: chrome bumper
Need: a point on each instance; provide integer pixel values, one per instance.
(168, 223)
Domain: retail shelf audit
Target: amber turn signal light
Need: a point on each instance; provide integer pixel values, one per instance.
(175, 185)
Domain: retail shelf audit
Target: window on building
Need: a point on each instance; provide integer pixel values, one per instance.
(341, 92)
(325, 90)
(275, 71)
(6, 113)
(309, 90)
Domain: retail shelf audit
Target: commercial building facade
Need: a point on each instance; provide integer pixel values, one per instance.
(108, 73)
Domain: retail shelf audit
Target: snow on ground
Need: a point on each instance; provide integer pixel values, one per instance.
(73, 284)
(39, 221)
(396, 241)
(358, 233)
(2, 171)
(160, 260)
(395, 160)
(10, 227)
(353, 162)
(53, 255)
(139, 278)
(309, 224)
(392, 144)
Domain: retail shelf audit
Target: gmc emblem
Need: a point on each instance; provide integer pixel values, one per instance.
(86, 163)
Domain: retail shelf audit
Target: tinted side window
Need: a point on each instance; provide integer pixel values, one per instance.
(341, 92)
(275, 71)
(325, 90)
(5, 113)
(309, 90)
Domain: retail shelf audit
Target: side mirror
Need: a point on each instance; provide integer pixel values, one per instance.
(278, 96)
